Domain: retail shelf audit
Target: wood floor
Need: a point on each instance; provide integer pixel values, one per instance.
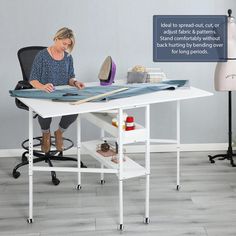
(205, 204)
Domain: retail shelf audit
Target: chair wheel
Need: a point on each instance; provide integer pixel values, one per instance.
(102, 181)
(55, 181)
(82, 165)
(24, 159)
(211, 159)
(60, 154)
(232, 164)
(177, 187)
(16, 174)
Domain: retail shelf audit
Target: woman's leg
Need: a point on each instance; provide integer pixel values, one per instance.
(44, 124)
(65, 122)
(46, 136)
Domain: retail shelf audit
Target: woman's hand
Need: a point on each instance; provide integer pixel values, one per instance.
(45, 87)
(48, 87)
(79, 84)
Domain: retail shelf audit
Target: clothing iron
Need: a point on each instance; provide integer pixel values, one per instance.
(107, 72)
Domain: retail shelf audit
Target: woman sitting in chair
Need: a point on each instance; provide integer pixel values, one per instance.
(51, 67)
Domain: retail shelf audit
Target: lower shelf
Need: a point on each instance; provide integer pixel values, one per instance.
(130, 168)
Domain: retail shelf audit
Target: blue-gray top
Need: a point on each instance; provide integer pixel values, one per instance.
(47, 70)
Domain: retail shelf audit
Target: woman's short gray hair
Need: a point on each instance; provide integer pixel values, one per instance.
(66, 33)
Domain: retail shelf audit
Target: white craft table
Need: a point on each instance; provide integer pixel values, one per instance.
(48, 108)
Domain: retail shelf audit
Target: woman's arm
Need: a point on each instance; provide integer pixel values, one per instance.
(75, 83)
(72, 81)
(45, 87)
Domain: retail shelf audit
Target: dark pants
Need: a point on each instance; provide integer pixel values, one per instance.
(65, 122)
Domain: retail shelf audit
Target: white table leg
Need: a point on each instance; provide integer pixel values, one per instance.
(178, 143)
(78, 150)
(30, 219)
(147, 164)
(102, 166)
(120, 153)
(102, 181)
(121, 220)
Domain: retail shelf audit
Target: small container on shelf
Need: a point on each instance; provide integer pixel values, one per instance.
(105, 149)
(129, 125)
(115, 159)
(115, 123)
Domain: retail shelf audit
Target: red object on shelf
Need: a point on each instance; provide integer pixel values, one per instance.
(129, 124)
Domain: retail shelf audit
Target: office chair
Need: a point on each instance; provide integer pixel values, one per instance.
(26, 57)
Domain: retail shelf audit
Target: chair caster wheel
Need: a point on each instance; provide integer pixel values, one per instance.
(146, 220)
(232, 163)
(16, 174)
(177, 187)
(55, 181)
(103, 181)
(60, 154)
(121, 227)
(82, 165)
(211, 160)
(30, 221)
(24, 159)
(78, 187)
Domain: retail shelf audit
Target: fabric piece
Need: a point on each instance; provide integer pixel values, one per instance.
(73, 94)
(143, 88)
(65, 94)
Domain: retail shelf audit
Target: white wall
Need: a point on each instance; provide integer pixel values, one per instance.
(122, 29)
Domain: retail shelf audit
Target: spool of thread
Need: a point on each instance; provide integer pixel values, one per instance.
(129, 123)
(115, 123)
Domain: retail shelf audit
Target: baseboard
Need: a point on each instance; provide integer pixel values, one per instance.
(197, 147)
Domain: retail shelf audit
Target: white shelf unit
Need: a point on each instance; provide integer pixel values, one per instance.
(104, 121)
(123, 169)
(130, 168)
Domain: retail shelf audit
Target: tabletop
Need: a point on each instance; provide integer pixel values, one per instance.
(49, 108)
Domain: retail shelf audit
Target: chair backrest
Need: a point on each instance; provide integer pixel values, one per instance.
(26, 57)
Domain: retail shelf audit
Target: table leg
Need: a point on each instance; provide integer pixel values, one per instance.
(30, 219)
(147, 164)
(120, 153)
(78, 187)
(102, 166)
(121, 221)
(178, 143)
